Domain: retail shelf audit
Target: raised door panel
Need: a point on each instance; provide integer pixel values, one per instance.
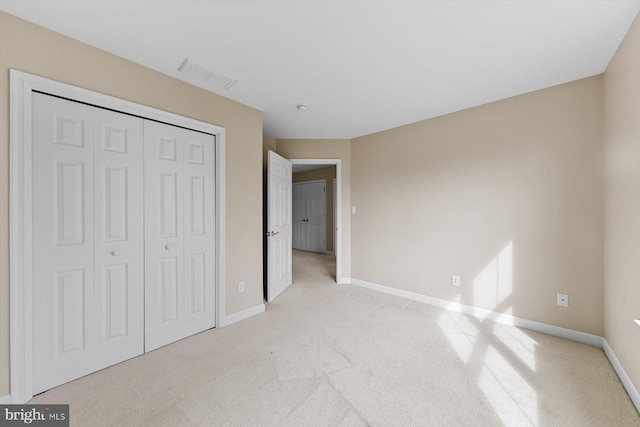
(168, 204)
(62, 227)
(69, 306)
(116, 287)
(69, 203)
(168, 289)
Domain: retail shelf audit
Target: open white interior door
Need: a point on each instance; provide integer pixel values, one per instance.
(279, 188)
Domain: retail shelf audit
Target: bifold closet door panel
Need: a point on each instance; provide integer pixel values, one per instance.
(119, 235)
(179, 233)
(199, 231)
(87, 304)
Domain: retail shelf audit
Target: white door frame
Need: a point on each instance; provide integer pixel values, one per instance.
(22, 85)
(337, 243)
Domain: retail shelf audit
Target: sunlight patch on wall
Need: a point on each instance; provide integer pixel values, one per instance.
(495, 283)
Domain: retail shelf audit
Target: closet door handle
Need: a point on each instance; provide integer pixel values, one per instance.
(115, 253)
(167, 248)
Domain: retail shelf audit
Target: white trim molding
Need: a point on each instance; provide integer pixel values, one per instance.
(5, 400)
(22, 86)
(244, 314)
(622, 374)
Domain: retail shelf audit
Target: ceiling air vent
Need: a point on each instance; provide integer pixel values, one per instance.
(198, 72)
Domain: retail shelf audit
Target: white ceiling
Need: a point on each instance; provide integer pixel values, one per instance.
(361, 66)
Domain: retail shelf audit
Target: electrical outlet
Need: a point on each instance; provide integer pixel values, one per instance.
(241, 287)
(563, 300)
(455, 280)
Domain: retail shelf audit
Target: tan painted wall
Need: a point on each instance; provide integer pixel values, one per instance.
(512, 185)
(328, 149)
(327, 174)
(39, 51)
(622, 202)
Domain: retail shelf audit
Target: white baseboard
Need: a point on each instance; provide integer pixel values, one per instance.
(482, 313)
(344, 281)
(5, 400)
(244, 314)
(622, 374)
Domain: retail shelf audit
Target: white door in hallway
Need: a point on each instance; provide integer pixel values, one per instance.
(87, 240)
(309, 216)
(179, 233)
(279, 225)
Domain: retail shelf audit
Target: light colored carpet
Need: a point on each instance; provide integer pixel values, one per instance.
(339, 355)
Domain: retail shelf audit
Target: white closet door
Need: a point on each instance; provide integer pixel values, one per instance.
(179, 233)
(86, 308)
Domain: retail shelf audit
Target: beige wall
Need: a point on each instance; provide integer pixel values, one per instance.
(326, 174)
(36, 50)
(622, 202)
(508, 195)
(328, 149)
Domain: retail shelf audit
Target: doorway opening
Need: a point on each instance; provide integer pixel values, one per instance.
(316, 210)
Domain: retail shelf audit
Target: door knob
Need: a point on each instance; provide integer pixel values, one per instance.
(272, 233)
(167, 248)
(115, 253)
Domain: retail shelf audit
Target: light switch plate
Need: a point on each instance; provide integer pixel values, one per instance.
(455, 280)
